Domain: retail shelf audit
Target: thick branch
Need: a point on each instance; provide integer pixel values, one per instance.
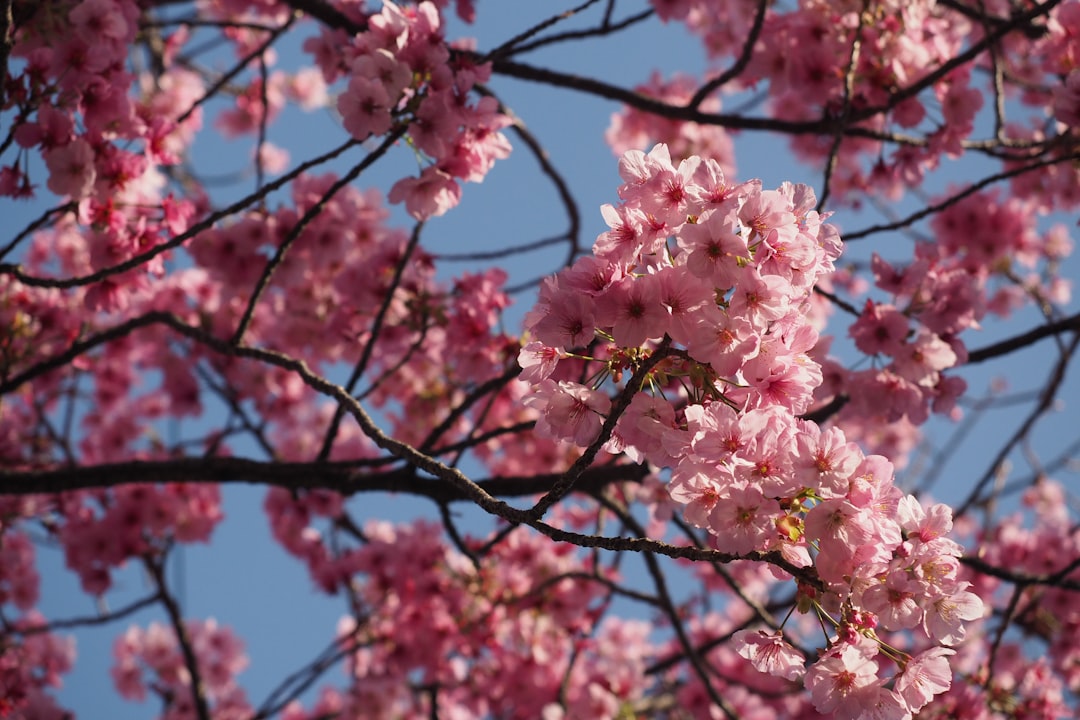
(1022, 341)
(343, 477)
(450, 475)
(652, 105)
(1022, 580)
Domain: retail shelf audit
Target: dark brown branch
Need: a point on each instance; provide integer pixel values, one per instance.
(697, 662)
(87, 621)
(328, 15)
(295, 684)
(225, 79)
(652, 105)
(376, 325)
(573, 214)
(1024, 580)
(826, 411)
(1024, 340)
(845, 113)
(1029, 29)
(508, 47)
(835, 300)
(674, 658)
(605, 28)
(294, 232)
(566, 483)
(740, 63)
(1016, 23)
(501, 252)
(1057, 377)
(342, 477)
(491, 386)
(78, 348)
(40, 222)
(183, 638)
(957, 197)
(452, 476)
(825, 125)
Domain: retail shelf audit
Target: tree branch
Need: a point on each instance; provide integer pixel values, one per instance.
(183, 638)
(1024, 340)
(343, 477)
(205, 224)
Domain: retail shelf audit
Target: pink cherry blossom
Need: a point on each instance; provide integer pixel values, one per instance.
(944, 620)
(880, 329)
(770, 653)
(925, 675)
(537, 361)
(743, 519)
(716, 248)
(567, 321)
(430, 195)
(632, 309)
(365, 108)
(844, 683)
(161, 321)
(570, 410)
(71, 169)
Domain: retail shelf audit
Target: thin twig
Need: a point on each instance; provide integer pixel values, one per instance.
(507, 47)
(87, 621)
(7, 42)
(957, 197)
(311, 213)
(605, 28)
(845, 111)
(225, 79)
(183, 638)
(376, 330)
(1057, 377)
(206, 223)
(740, 63)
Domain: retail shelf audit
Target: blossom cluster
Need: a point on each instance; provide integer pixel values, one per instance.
(688, 342)
(32, 658)
(32, 663)
(803, 58)
(986, 255)
(987, 259)
(515, 635)
(323, 300)
(632, 129)
(1039, 539)
(155, 651)
(403, 72)
(716, 280)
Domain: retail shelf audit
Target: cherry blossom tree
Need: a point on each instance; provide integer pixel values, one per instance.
(692, 467)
